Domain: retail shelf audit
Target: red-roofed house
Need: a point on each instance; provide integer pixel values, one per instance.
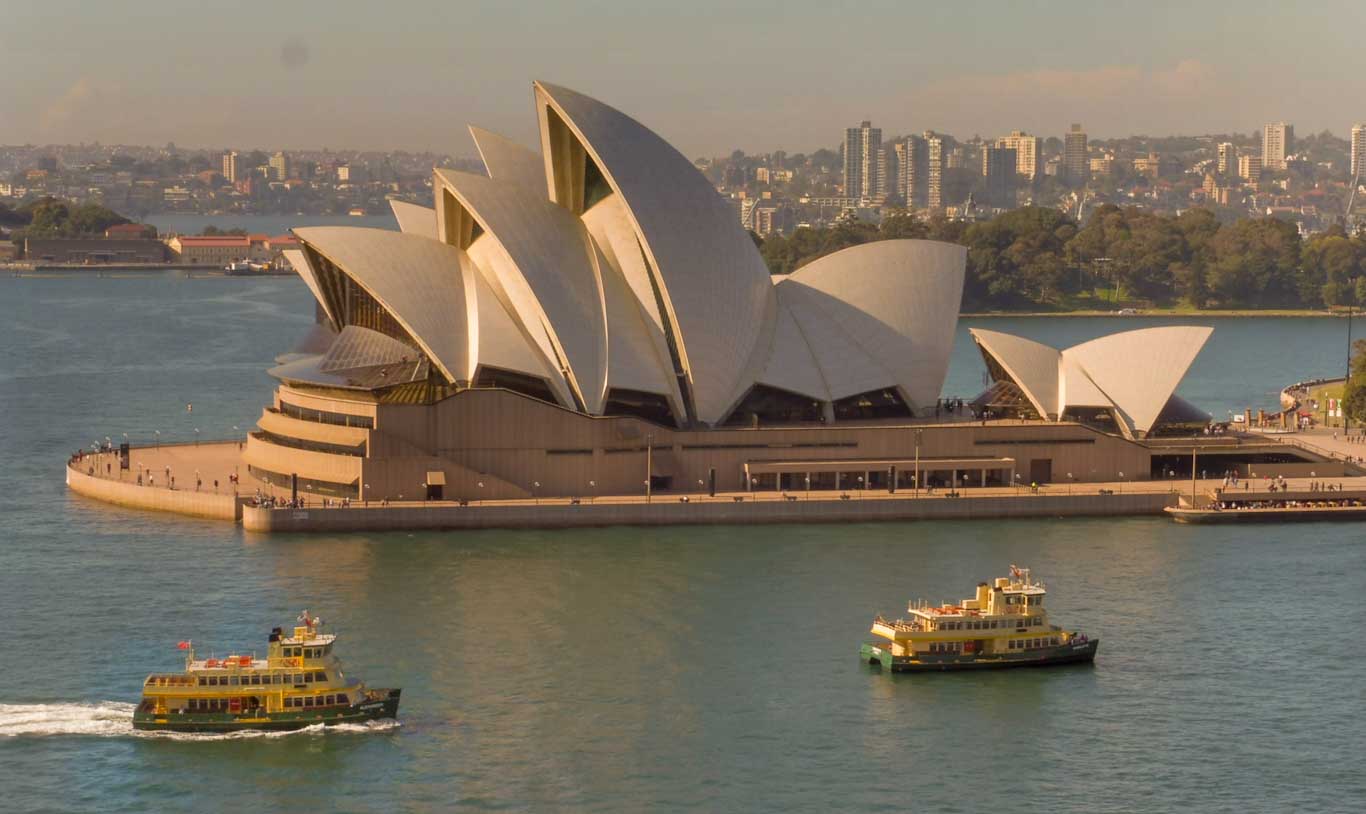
(218, 250)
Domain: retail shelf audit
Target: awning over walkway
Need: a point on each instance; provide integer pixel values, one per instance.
(877, 464)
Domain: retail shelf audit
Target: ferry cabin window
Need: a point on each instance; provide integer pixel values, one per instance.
(342, 699)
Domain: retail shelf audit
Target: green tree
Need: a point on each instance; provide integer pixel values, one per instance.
(1354, 395)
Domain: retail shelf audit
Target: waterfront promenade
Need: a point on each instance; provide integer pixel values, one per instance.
(196, 467)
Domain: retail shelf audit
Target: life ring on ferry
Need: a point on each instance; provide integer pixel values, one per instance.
(292, 662)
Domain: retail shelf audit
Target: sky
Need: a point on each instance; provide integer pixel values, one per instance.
(710, 76)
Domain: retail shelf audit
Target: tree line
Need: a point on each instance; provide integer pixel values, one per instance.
(1037, 258)
(50, 217)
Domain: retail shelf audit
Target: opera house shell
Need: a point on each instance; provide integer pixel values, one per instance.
(592, 318)
(1124, 382)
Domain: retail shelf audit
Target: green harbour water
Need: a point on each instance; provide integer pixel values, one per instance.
(661, 669)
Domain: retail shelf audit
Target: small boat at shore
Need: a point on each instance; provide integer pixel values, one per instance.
(1004, 625)
(299, 683)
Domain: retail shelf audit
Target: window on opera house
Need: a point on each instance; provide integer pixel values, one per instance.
(770, 405)
(886, 403)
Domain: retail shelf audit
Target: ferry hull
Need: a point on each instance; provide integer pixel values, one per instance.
(1083, 652)
(382, 704)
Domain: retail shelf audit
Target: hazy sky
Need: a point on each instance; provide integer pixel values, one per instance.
(709, 75)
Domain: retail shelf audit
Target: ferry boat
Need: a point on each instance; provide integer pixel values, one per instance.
(299, 683)
(1004, 625)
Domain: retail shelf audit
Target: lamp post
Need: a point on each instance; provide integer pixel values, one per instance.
(481, 492)
(1070, 482)
(701, 487)
(808, 486)
(649, 464)
(365, 491)
(1121, 483)
(535, 492)
(860, 487)
(593, 490)
(917, 463)
(196, 436)
(158, 438)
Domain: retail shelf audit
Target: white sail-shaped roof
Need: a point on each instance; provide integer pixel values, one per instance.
(1139, 370)
(1135, 373)
(791, 365)
(845, 368)
(1032, 365)
(898, 301)
(546, 265)
(411, 277)
(706, 271)
(509, 162)
(635, 354)
(413, 219)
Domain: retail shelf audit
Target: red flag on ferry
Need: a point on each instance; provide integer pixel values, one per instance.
(183, 646)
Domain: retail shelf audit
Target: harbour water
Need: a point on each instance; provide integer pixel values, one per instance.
(708, 669)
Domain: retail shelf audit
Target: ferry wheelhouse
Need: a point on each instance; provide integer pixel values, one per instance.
(1004, 625)
(299, 683)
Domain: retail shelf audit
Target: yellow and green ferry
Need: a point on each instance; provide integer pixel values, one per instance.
(1004, 625)
(299, 683)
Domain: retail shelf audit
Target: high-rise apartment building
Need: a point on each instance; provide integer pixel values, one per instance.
(1028, 152)
(862, 161)
(913, 168)
(1358, 151)
(1074, 161)
(1228, 158)
(1278, 141)
(230, 166)
(936, 161)
(998, 168)
(279, 166)
(1250, 167)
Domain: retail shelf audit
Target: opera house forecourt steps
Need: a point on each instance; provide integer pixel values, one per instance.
(585, 334)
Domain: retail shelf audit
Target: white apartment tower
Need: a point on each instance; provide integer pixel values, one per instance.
(913, 158)
(936, 152)
(1358, 150)
(230, 168)
(863, 162)
(1228, 158)
(1028, 152)
(1277, 142)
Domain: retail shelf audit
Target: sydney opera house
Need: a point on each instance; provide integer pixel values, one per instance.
(593, 319)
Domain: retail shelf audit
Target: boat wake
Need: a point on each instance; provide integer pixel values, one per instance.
(103, 719)
(112, 719)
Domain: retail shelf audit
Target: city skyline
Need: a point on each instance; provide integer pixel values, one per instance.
(296, 85)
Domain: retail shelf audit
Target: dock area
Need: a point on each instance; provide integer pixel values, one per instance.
(1327, 500)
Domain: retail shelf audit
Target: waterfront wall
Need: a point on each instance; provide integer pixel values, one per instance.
(180, 501)
(666, 511)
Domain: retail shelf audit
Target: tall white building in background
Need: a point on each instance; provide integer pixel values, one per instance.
(936, 161)
(864, 162)
(1228, 158)
(230, 166)
(1277, 142)
(1028, 152)
(1358, 150)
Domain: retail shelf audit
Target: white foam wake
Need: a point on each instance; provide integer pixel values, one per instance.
(104, 719)
(115, 719)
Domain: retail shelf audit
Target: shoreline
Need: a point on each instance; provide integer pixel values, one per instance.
(1159, 312)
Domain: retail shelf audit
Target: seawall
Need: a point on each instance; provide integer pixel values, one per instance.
(180, 501)
(671, 511)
